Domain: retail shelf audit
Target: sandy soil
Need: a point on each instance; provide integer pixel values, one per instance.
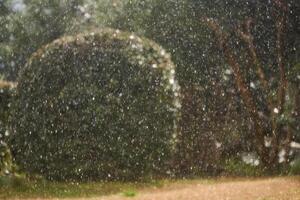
(263, 189)
(255, 189)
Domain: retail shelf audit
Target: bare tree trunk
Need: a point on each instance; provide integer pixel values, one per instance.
(268, 155)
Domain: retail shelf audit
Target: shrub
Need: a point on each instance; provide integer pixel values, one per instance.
(6, 93)
(295, 167)
(98, 105)
(236, 167)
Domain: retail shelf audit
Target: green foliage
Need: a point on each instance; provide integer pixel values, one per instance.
(174, 25)
(129, 193)
(13, 181)
(100, 105)
(20, 187)
(6, 164)
(236, 167)
(24, 31)
(6, 94)
(295, 167)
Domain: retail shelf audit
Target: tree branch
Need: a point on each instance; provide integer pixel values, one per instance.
(239, 79)
(248, 39)
(280, 28)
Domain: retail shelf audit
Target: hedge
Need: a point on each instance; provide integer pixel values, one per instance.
(96, 106)
(6, 94)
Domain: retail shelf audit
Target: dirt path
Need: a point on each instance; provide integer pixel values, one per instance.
(285, 188)
(262, 189)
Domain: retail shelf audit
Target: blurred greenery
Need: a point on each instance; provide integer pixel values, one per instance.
(295, 167)
(20, 187)
(93, 114)
(236, 167)
(212, 110)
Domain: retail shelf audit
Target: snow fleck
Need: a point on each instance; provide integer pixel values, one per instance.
(256, 163)
(154, 65)
(6, 133)
(171, 80)
(18, 5)
(87, 15)
(228, 72)
(268, 142)
(281, 156)
(218, 144)
(131, 37)
(295, 145)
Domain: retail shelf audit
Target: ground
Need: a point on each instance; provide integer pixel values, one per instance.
(280, 188)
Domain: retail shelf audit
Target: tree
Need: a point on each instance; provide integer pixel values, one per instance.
(25, 28)
(267, 105)
(174, 24)
(210, 110)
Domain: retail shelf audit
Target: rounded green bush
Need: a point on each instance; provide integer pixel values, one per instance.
(98, 105)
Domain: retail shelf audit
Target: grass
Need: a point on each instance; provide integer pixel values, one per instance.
(17, 187)
(235, 167)
(21, 188)
(129, 193)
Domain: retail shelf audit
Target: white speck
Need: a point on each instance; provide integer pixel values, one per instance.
(295, 145)
(256, 163)
(267, 142)
(276, 110)
(252, 85)
(218, 144)
(47, 11)
(154, 65)
(225, 78)
(228, 72)
(6, 133)
(162, 52)
(87, 15)
(131, 37)
(171, 80)
(18, 5)
(81, 8)
(281, 156)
